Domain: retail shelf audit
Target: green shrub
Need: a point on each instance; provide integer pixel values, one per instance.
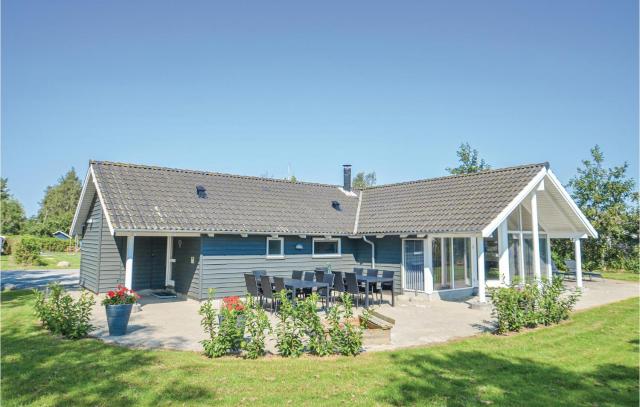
(310, 323)
(60, 314)
(288, 332)
(225, 333)
(531, 304)
(27, 251)
(51, 244)
(256, 324)
(346, 337)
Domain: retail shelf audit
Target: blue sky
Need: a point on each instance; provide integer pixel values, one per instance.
(254, 88)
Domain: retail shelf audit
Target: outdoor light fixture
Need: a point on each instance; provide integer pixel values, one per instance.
(299, 246)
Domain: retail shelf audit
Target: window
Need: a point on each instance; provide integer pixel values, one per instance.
(275, 248)
(451, 257)
(326, 248)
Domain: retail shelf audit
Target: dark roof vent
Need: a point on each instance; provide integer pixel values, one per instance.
(335, 205)
(201, 191)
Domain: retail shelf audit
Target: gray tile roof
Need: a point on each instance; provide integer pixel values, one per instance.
(140, 197)
(156, 199)
(457, 203)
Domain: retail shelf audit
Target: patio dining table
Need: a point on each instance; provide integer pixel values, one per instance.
(296, 285)
(372, 280)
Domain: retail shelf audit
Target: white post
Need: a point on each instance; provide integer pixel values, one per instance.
(536, 237)
(521, 247)
(481, 279)
(474, 263)
(128, 269)
(168, 266)
(443, 261)
(549, 268)
(503, 253)
(428, 265)
(576, 244)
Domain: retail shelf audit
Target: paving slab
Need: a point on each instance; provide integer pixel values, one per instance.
(175, 323)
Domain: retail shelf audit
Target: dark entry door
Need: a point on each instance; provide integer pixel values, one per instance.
(186, 252)
(149, 262)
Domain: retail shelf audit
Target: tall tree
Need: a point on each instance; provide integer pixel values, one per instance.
(58, 205)
(12, 216)
(608, 198)
(469, 161)
(364, 180)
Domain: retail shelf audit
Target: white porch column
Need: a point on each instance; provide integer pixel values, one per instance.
(168, 281)
(549, 268)
(428, 265)
(128, 269)
(576, 245)
(503, 253)
(520, 247)
(535, 237)
(481, 277)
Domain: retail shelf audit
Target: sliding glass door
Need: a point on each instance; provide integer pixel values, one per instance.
(527, 256)
(451, 263)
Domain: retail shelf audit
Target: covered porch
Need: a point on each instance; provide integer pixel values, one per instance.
(515, 246)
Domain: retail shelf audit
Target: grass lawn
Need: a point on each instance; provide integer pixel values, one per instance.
(589, 360)
(621, 276)
(50, 258)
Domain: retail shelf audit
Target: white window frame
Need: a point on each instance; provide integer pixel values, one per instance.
(275, 256)
(333, 239)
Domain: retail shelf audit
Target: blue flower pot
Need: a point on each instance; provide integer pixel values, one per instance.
(118, 318)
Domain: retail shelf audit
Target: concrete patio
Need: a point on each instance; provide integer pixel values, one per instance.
(175, 323)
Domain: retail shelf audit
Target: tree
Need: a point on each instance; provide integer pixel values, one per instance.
(609, 200)
(469, 161)
(58, 205)
(12, 216)
(363, 181)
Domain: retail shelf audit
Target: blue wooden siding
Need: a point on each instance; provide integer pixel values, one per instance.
(102, 261)
(225, 258)
(90, 249)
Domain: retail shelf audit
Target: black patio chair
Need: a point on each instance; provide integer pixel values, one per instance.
(252, 287)
(353, 288)
(308, 276)
(267, 291)
(338, 282)
(296, 275)
(387, 286)
(257, 274)
(320, 274)
(373, 287)
(325, 292)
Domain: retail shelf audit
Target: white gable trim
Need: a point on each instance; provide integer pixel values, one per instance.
(72, 231)
(486, 232)
(104, 207)
(89, 178)
(533, 184)
(556, 182)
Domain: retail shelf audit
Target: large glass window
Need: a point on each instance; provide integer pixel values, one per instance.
(437, 263)
(491, 263)
(514, 256)
(461, 263)
(326, 247)
(451, 263)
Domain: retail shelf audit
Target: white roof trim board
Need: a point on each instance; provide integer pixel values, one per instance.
(148, 200)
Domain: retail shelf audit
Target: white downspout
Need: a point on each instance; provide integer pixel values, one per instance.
(373, 251)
